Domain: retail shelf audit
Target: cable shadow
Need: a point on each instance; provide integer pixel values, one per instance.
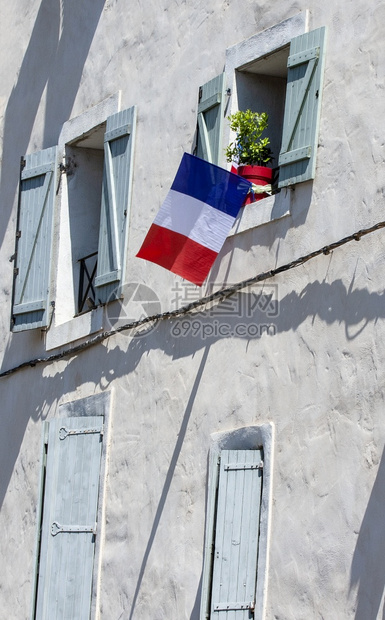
(246, 316)
(368, 564)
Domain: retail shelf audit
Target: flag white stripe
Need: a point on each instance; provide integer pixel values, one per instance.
(194, 219)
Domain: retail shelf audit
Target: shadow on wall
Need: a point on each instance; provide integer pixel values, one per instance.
(368, 566)
(54, 60)
(244, 317)
(166, 488)
(330, 302)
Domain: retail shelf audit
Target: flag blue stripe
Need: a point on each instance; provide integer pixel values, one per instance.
(211, 184)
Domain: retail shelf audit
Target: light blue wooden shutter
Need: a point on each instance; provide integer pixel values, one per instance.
(116, 197)
(297, 158)
(236, 537)
(211, 109)
(69, 518)
(34, 240)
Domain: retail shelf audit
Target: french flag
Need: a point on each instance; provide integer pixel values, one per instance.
(195, 219)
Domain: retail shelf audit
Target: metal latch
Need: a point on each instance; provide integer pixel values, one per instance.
(64, 432)
(230, 466)
(56, 528)
(234, 606)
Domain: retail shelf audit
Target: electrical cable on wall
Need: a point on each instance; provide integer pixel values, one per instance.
(217, 297)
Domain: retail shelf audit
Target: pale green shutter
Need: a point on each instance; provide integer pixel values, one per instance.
(236, 538)
(34, 241)
(69, 518)
(116, 197)
(211, 109)
(297, 158)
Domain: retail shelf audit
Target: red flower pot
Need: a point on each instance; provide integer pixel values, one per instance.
(259, 175)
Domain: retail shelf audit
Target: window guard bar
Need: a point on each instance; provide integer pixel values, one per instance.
(86, 292)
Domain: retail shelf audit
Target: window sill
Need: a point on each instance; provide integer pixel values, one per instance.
(262, 212)
(79, 327)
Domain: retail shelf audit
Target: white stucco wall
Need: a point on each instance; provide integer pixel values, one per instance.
(317, 377)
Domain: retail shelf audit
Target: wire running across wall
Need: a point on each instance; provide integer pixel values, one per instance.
(200, 303)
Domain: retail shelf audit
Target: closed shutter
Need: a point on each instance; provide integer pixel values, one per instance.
(116, 197)
(236, 537)
(69, 518)
(211, 109)
(297, 158)
(34, 241)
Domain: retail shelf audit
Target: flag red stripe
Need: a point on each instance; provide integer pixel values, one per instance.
(177, 253)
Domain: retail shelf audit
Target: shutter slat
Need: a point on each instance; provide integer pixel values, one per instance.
(34, 243)
(211, 108)
(237, 530)
(297, 159)
(116, 197)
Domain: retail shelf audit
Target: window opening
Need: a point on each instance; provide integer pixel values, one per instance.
(84, 166)
(261, 87)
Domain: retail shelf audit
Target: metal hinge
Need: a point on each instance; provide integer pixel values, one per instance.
(16, 271)
(234, 606)
(243, 466)
(64, 432)
(56, 528)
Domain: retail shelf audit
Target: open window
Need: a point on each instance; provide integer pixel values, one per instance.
(278, 73)
(91, 236)
(99, 175)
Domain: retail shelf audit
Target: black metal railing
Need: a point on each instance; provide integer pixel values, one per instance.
(86, 293)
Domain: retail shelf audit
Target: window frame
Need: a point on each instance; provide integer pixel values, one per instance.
(238, 56)
(68, 325)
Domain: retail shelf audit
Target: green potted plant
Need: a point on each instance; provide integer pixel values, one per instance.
(251, 152)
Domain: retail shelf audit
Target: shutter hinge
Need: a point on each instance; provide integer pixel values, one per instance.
(56, 528)
(18, 234)
(200, 93)
(233, 466)
(234, 606)
(22, 163)
(16, 271)
(64, 432)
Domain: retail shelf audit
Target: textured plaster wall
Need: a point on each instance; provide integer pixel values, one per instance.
(318, 378)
